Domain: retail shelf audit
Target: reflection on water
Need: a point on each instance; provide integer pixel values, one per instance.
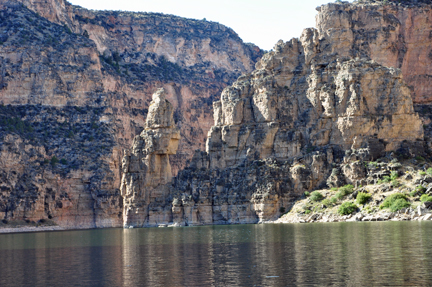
(357, 254)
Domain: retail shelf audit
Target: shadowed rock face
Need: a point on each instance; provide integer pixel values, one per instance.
(76, 87)
(282, 129)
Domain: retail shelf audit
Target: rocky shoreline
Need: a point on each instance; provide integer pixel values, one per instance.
(23, 229)
(408, 214)
(392, 191)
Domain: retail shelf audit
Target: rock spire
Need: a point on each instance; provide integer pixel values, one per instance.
(146, 165)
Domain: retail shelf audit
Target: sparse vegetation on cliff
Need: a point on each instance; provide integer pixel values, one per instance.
(347, 208)
(377, 199)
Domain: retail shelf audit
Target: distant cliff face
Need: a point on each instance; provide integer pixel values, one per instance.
(393, 33)
(193, 59)
(76, 85)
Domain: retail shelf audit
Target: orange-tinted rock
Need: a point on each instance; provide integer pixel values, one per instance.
(393, 34)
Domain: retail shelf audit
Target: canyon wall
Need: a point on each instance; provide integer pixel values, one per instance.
(75, 86)
(393, 33)
(282, 130)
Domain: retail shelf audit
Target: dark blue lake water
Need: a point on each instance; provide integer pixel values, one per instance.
(353, 254)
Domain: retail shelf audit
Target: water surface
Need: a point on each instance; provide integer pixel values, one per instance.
(353, 254)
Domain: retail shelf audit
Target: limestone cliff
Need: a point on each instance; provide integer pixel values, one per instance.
(284, 129)
(147, 166)
(120, 58)
(75, 86)
(393, 33)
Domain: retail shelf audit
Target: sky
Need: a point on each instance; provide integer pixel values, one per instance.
(262, 22)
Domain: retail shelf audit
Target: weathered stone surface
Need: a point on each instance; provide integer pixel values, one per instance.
(146, 167)
(278, 131)
(284, 128)
(83, 99)
(393, 33)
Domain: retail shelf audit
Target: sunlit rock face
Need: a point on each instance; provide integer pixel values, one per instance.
(393, 33)
(79, 86)
(282, 129)
(146, 166)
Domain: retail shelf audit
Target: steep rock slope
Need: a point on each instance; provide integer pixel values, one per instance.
(393, 33)
(284, 129)
(69, 108)
(193, 59)
(147, 164)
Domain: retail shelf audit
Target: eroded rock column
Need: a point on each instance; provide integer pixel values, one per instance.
(146, 167)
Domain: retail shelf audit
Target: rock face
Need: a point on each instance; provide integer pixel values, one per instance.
(147, 166)
(393, 33)
(118, 59)
(75, 89)
(284, 129)
(76, 86)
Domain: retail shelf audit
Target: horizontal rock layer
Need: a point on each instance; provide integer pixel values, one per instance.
(76, 87)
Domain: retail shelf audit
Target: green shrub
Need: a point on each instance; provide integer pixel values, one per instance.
(333, 200)
(54, 160)
(63, 161)
(326, 202)
(344, 191)
(363, 197)
(307, 211)
(306, 193)
(394, 183)
(426, 198)
(334, 189)
(395, 202)
(347, 189)
(398, 204)
(339, 195)
(418, 190)
(422, 173)
(394, 175)
(372, 164)
(429, 171)
(419, 158)
(347, 208)
(316, 196)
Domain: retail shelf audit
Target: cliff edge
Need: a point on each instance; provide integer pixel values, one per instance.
(285, 129)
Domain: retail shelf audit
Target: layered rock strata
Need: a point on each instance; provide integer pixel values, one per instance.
(284, 129)
(75, 87)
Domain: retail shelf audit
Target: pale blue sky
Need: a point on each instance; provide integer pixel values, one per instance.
(262, 22)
